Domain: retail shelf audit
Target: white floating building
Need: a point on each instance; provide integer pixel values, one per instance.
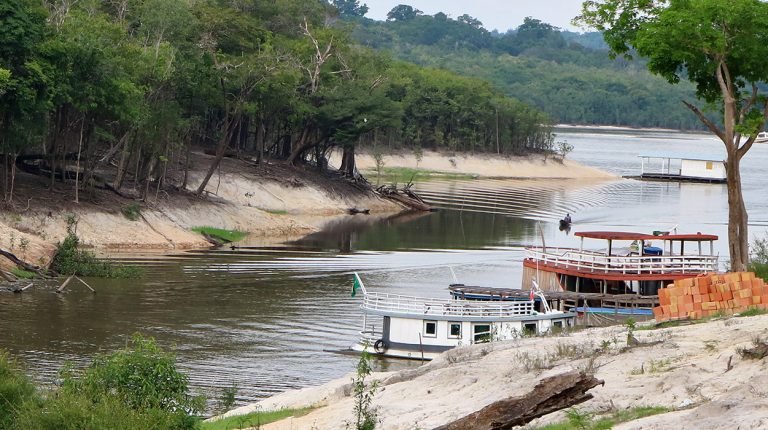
(684, 168)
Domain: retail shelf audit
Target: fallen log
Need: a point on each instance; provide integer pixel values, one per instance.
(64, 285)
(408, 202)
(7, 276)
(549, 395)
(21, 263)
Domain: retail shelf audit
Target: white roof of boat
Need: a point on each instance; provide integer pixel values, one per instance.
(696, 157)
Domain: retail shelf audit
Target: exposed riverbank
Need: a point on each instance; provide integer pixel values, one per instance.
(486, 165)
(679, 368)
(274, 201)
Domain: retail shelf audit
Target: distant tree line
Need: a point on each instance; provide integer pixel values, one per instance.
(568, 75)
(133, 85)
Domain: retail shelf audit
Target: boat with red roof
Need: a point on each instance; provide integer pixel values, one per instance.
(626, 262)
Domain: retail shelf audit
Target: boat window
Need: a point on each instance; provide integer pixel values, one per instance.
(558, 324)
(709, 165)
(481, 333)
(454, 330)
(430, 328)
(529, 329)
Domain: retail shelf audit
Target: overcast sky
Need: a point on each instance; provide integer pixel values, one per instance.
(495, 14)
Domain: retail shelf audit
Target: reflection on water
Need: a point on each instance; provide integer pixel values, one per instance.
(264, 318)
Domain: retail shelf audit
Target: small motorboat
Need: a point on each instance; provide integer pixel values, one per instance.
(762, 137)
(565, 224)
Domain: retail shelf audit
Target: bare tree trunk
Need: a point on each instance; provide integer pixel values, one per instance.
(13, 176)
(221, 149)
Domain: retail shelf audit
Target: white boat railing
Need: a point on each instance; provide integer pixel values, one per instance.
(395, 303)
(595, 262)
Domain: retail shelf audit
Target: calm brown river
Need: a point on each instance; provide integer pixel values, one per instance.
(266, 318)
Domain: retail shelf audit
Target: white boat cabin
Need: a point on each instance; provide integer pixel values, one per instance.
(683, 168)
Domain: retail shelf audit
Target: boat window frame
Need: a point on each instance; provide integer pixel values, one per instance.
(450, 326)
(424, 328)
(489, 333)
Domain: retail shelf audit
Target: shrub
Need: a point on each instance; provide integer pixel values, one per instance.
(131, 211)
(15, 391)
(142, 376)
(71, 260)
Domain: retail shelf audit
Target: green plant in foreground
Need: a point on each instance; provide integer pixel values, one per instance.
(366, 415)
(131, 211)
(134, 388)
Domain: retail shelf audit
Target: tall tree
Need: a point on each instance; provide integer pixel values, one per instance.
(350, 8)
(720, 46)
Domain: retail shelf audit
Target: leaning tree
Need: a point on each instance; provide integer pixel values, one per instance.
(721, 47)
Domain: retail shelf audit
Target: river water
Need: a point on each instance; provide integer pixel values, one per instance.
(265, 318)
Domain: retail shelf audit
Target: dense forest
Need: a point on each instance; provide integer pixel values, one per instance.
(132, 86)
(565, 74)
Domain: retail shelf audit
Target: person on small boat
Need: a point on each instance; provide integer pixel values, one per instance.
(567, 219)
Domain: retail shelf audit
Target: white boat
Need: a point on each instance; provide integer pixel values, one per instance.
(422, 328)
(762, 137)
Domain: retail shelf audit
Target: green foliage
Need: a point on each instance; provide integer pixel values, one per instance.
(71, 260)
(135, 388)
(131, 211)
(16, 390)
(366, 415)
(254, 419)
(568, 76)
(142, 376)
(631, 326)
(221, 234)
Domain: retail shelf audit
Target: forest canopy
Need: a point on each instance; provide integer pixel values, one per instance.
(135, 84)
(568, 75)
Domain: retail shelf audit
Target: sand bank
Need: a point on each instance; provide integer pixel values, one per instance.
(685, 371)
(489, 166)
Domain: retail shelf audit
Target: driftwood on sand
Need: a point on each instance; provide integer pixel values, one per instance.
(549, 395)
(404, 196)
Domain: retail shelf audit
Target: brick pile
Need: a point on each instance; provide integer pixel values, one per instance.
(707, 295)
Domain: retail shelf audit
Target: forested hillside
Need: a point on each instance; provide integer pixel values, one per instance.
(101, 93)
(568, 75)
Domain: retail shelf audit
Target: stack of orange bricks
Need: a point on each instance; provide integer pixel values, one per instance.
(707, 295)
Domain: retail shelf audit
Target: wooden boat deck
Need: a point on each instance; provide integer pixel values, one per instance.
(606, 300)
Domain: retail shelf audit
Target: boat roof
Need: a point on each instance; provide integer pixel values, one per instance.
(625, 235)
(694, 157)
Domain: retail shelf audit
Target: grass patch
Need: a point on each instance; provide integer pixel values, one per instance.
(582, 421)
(131, 211)
(21, 273)
(752, 312)
(254, 419)
(408, 174)
(276, 211)
(221, 234)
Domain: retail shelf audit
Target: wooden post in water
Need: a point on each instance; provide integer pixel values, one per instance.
(64, 285)
(86, 284)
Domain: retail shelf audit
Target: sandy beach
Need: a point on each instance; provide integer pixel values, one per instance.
(487, 165)
(680, 368)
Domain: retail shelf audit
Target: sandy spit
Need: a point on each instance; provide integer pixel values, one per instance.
(687, 366)
(489, 166)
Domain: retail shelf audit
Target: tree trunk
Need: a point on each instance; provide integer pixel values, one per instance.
(348, 161)
(221, 149)
(738, 235)
(301, 146)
